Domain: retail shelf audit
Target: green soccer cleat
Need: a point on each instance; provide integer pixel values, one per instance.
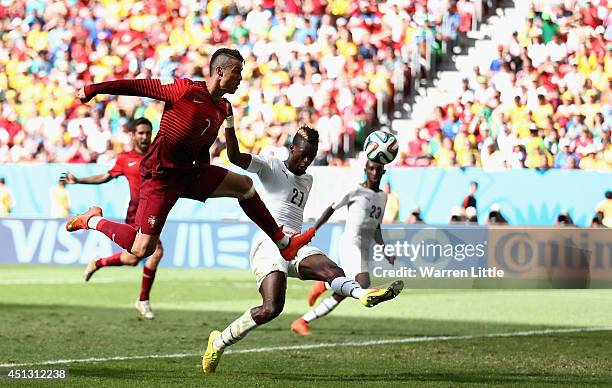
(376, 296)
(211, 357)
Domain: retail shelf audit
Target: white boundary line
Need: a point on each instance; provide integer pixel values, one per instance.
(319, 346)
(29, 282)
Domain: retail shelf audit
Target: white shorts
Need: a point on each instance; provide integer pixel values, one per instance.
(354, 258)
(265, 259)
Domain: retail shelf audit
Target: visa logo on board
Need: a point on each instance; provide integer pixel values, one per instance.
(47, 241)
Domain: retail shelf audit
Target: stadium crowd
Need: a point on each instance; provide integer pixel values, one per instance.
(335, 64)
(544, 102)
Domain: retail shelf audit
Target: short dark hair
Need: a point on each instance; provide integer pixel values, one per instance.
(609, 194)
(474, 183)
(221, 57)
(307, 134)
(140, 121)
(2, 180)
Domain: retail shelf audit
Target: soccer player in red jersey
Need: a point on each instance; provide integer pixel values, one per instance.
(177, 163)
(128, 165)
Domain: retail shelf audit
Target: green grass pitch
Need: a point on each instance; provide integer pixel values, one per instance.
(48, 313)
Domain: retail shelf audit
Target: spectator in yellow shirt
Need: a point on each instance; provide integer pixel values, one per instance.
(60, 201)
(6, 199)
(590, 108)
(518, 113)
(537, 160)
(283, 110)
(542, 111)
(445, 156)
(605, 208)
(392, 209)
(588, 162)
(37, 39)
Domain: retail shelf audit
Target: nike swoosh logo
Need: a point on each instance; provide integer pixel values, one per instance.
(198, 101)
(130, 164)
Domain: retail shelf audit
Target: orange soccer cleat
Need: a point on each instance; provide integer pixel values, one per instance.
(318, 288)
(298, 240)
(80, 221)
(300, 326)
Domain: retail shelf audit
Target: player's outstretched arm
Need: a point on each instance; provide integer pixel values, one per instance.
(342, 201)
(167, 90)
(324, 217)
(240, 159)
(70, 179)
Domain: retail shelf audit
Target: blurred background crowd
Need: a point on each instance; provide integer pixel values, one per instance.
(544, 101)
(343, 66)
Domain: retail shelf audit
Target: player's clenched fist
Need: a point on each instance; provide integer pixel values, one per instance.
(81, 95)
(68, 178)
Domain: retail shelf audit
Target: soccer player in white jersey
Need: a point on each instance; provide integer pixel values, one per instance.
(286, 186)
(366, 205)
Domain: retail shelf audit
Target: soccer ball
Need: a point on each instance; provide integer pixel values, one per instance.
(381, 147)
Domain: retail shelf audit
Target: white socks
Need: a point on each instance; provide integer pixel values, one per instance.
(283, 242)
(324, 308)
(236, 331)
(92, 223)
(347, 287)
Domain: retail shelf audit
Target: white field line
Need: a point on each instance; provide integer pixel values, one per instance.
(318, 346)
(29, 282)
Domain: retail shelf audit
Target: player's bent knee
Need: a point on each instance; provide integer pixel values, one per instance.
(132, 260)
(332, 273)
(269, 311)
(248, 189)
(153, 260)
(149, 251)
(138, 251)
(159, 252)
(142, 251)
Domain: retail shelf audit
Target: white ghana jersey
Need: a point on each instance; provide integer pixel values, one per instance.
(285, 193)
(366, 208)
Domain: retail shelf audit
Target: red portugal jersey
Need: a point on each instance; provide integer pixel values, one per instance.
(189, 125)
(128, 165)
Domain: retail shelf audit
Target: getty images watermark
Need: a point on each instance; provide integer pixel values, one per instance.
(430, 252)
(493, 257)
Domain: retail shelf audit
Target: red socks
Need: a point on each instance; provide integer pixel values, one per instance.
(122, 234)
(257, 211)
(148, 276)
(111, 261)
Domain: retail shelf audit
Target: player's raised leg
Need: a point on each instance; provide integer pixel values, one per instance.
(126, 236)
(157, 197)
(320, 267)
(272, 292)
(241, 187)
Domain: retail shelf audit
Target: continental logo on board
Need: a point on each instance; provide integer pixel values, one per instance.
(552, 252)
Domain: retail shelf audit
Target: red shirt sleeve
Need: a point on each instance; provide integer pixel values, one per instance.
(169, 90)
(117, 169)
